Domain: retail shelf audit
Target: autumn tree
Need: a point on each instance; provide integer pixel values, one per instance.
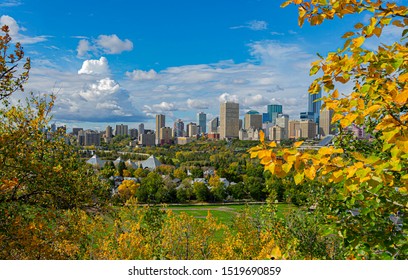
(365, 190)
(44, 185)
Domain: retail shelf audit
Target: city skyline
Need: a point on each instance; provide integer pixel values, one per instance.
(128, 61)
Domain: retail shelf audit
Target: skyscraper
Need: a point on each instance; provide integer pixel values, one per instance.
(253, 119)
(141, 128)
(202, 122)
(325, 126)
(178, 128)
(121, 129)
(229, 120)
(314, 105)
(160, 122)
(273, 111)
(214, 124)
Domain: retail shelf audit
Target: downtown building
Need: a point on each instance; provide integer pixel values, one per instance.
(229, 120)
(160, 122)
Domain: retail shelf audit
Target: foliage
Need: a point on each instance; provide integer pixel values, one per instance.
(372, 183)
(127, 189)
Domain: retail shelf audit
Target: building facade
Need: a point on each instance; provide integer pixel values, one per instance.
(160, 122)
(229, 120)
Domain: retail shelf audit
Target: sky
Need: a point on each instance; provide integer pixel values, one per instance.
(124, 61)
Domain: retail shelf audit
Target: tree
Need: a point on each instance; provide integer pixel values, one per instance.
(365, 190)
(9, 59)
(44, 185)
(127, 189)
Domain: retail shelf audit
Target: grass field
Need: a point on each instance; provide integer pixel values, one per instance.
(224, 213)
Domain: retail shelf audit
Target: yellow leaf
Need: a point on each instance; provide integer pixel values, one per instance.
(297, 144)
(262, 136)
(272, 144)
(310, 173)
(402, 98)
(357, 42)
(299, 178)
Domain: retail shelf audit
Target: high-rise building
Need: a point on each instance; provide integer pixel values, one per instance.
(165, 135)
(202, 122)
(133, 133)
(75, 130)
(273, 111)
(308, 128)
(121, 129)
(192, 129)
(214, 124)
(160, 122)
(314, 105)
(89, 138)
(109, 132)
(141, 128)
(283, 121)
(276, 133)
(253, 119)
(229, 120)
(325, 125)
(178, 128)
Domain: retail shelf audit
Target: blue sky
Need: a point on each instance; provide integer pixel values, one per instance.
(124, 61)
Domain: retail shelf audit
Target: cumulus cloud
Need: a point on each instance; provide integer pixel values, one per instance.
(138, 75)
(111, 44)
(226, 97)
(16, 34)
(103, 88)
(95, 67)
(104, 44)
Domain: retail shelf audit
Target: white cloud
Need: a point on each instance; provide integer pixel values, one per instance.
(10, 3)
(104, 44)
(256, 100)
(83, 47)
(103, 88)
(15, 29)
(197, 104)
(226, 97)
(111, 44)
(95, 67)
(255, 25)
(138, 75)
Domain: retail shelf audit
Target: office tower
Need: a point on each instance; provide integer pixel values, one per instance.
(229, 120)
(294, 129)
(283, 121)
(202, 122)
(178, 128)
(273, 111)
(133, 133)
(325, 126)
(276, 133)
(314, 105)
(192, 129)
(75, 130)
(214, 124)
(147, 139)
(165, 135)
(308, 129)
(109, 132)
(265, 118)
(89, 138)
(121, 129)
(141, 128)
(253, 119)
(160, 122)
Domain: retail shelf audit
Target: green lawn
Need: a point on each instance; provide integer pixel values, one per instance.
(224, 213)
